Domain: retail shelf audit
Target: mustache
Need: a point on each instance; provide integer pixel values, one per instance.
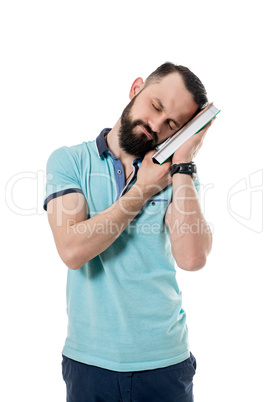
(147, 128)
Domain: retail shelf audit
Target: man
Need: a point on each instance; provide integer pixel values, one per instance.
(120, 222)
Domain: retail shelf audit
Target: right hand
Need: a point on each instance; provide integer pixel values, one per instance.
(152, 177)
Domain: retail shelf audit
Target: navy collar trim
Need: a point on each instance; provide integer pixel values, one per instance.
(100, 142)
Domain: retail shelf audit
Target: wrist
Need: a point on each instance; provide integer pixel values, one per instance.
(177, 161)
(143, 190)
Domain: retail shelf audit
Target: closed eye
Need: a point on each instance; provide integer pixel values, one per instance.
(170, 122)
(170, 125)
(155, 107)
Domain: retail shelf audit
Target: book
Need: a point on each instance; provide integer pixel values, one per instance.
(170, 145)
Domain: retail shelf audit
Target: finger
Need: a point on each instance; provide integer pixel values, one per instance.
(210, 123)
(201, 135)
(167, 163)
(214, 118)
(149, 154)
(204, 130)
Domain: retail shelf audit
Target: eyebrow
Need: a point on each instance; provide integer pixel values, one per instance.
(164, 109)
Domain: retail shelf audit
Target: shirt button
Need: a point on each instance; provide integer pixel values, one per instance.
(153, 202)
(119, 171)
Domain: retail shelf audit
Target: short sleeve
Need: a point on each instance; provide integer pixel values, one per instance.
(62, 175)
(197, 184)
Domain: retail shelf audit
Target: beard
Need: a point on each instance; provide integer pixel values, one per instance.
(131, 142)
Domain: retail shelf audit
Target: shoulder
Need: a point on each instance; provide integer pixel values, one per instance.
(74, 154)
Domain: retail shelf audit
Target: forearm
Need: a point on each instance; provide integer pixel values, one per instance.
(89, 238)
(190, 235)
(78, 239)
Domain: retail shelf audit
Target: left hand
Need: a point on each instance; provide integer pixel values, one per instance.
(187, 151)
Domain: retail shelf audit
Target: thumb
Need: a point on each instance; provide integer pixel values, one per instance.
(149, 154)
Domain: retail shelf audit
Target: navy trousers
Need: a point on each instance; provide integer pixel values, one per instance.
(86, 383)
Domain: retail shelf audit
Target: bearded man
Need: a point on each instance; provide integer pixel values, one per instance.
(121, 223)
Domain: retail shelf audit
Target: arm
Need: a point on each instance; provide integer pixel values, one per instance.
(190, 235)
(79, 239)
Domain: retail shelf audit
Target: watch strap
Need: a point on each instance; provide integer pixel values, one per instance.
(184, 168)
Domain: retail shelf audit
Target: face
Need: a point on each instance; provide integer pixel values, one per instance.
(155, 113)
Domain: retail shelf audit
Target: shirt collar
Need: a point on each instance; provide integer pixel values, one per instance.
(100, 141)
(102, 146)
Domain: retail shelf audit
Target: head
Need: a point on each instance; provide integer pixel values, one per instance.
(160, 106)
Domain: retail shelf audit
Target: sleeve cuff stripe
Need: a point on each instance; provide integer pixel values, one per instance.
(59, 194)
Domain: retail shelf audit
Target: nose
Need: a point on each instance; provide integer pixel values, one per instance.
(156, 123)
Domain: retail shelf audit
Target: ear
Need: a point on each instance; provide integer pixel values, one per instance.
(136, 87)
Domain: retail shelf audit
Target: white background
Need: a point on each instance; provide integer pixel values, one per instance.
(66, 70)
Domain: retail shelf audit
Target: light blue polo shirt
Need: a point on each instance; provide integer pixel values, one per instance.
(124, 306)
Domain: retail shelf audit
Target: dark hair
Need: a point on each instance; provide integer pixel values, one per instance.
(191, 81)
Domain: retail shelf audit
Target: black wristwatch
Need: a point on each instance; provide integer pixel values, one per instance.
(184, 168)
